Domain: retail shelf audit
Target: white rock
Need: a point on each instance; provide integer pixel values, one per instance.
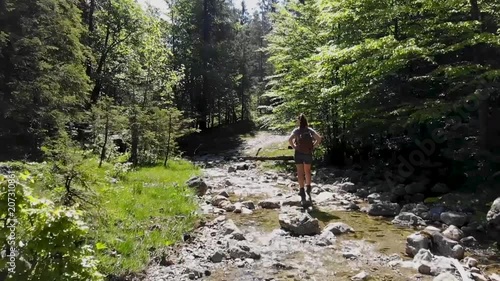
(360, 276)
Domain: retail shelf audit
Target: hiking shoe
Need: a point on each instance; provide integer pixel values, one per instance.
(302, 194)
(308, 191)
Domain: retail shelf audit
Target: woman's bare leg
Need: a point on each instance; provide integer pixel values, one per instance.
(307, 172)
(300, 175)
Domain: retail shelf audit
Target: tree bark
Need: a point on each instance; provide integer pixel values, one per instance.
(167, 154)
(106, 133)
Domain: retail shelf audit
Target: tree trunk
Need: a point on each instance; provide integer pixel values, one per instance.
(484, 106)
(135, 140)
(96, 91)
(167, 154)
(106, 133)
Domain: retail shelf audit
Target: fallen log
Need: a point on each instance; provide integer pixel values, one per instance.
(264, 158)
(465, 275)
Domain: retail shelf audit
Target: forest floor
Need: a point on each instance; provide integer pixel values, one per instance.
(254, 229)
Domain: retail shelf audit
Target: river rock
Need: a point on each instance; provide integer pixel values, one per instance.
(360, 276)
(408, 219)
(242, 166)
(399, 190)
(478, 277)
(415, 242)
(446, 276)
(348, 187)
(270, 204)
(454, 218)
(224, 193)
(293, 201)
(440, 188)
(324, 197)
(230, 228)
(243, 251)
(362, 193)
(326, 238)
(493, 216)
(227, 206)
(379, 197)
(338, 228)
(238, 207)
(217, 257)
(447, 247)
(246, 211)
(470, 262)
(231, 169)
(298, 223)
(217, 200)
(249, 205)
(198, 185)
(429, 264)
(385, 209)
(454, 233)
(420, 210)
(469, 241)
(416, 187)
(423, 256)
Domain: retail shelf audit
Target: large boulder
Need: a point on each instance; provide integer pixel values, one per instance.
(270, 204)
(298, 223)
(429, 264)
(446, 247)
(453, 233)
(417, 241)
(420, 210)
(408, 219)
(454, 218)
(416, 187)
(338, 228)
(493, 216)
(198, 185)
(385, 209)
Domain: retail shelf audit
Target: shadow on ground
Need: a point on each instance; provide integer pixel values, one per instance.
(217, 140)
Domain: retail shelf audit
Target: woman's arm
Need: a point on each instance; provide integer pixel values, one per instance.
(317, 138)
(291, 140)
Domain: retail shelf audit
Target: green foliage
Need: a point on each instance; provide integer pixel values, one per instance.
(68, 173)
(44, 81)
(150, 208)
(358, 68)
(49, 240)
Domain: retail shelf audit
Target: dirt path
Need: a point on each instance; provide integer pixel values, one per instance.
(257, 241)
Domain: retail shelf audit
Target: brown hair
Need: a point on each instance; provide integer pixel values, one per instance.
(303, 121)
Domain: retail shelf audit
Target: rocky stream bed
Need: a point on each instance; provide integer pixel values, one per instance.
(254, 229)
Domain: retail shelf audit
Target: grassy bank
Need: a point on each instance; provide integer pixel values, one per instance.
(149, 209)
(131, 215)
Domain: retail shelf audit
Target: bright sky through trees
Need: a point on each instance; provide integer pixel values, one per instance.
(161, 4)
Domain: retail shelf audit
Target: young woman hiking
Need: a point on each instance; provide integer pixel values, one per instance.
(304, 139)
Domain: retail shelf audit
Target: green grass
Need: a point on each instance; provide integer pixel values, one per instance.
(147, 210)
(150, 209)
(276, 149)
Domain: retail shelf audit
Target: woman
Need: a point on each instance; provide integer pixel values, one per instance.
(304, 139)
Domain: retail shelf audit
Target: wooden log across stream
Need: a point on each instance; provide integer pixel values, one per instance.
(265, 158)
